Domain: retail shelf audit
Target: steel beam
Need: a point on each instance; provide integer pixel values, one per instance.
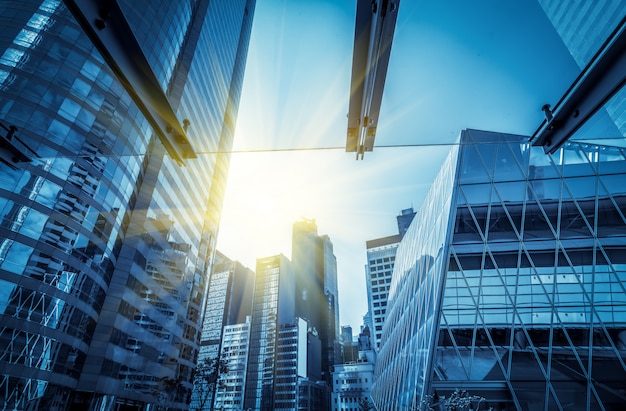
(373, 35)
(104, 23)
(603, 77)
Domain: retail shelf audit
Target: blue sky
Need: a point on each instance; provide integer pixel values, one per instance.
(484, 64)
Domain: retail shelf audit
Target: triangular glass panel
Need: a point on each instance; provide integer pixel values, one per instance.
(565, 364)
(488, 155)
(484, 361)
(577, 160)
(537, 224)
(552, 398)
(473, 219)
(611, 160)
(457, 358)
(525, 362)
(573, 223)
(608, 371)
(477, 194)
(569, 290)
(548, 193)
(603, 396)
(507, 165)
(472, 167)
(466, 228)
(542, 166)
(500, 227)
(613, 184)
(460, 198)
(511, 192)
(581, 188)
(611, 213)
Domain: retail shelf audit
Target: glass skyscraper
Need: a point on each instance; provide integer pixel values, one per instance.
(511, 281)
(105, 241)
(228, 305)
(273, 306)
(317, 295)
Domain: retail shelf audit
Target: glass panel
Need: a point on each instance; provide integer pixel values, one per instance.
(507, 165)
(576, 161)
(16, 257)
(577, 217)
(473, 168)
(500, 227)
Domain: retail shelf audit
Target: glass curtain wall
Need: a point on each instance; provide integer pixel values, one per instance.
(528, 307)
(105, 242)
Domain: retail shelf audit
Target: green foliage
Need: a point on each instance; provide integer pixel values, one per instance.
(207, 380)
(365, 404)
(459, 400)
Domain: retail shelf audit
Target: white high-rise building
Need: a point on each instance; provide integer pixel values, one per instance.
(234, 353)
(381, 256)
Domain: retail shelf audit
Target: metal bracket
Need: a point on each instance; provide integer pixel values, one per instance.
(603, 77)
(11, 153)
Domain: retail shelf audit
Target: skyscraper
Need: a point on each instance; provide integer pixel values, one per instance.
(294, 332)
(349, 347)
(105, 241)
(510, 281)
(228, 304)
(404, 220)
(381, 256)
(317, 297)
(273, 306)
(234, 352)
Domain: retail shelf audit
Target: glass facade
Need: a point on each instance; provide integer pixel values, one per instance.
(523, 300)
(410, 326)
(228, 303)
(273, 306)
(105, 243)
(317, 294)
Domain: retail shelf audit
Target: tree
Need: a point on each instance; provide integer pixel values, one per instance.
(459, 400)
(207, 379)
(365, 404)
(167, 390)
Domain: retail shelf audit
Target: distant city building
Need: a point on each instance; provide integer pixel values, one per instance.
(365, 346)
(106, 242)
(352, 384)
(312, 395)
(317, 297)
(404, 220)
(295, 337)
(352, 381)
(234, 353)
(349, 347)
(273, 306)
(298, 364)
(228, 303)
(510, 282)
(381, 255)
